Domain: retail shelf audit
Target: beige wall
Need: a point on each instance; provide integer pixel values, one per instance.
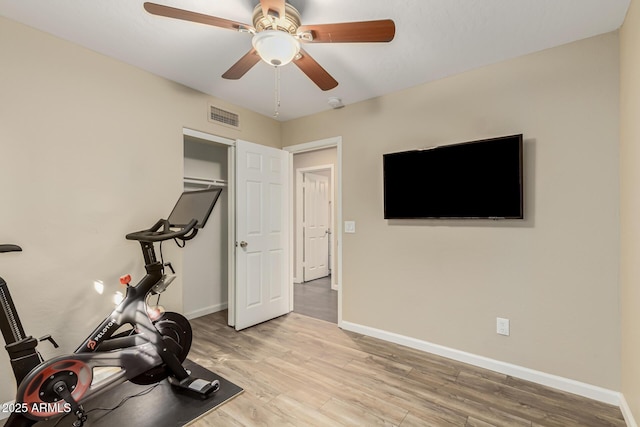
(555, 274)
(90, 149)
(630, 205)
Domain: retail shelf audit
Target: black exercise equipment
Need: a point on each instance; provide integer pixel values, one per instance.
(147, 345)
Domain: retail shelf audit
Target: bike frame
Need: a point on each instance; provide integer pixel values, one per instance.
(134, 354)
(132, 309)
(151, 351)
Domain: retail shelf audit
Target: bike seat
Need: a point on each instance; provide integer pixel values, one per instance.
(10, 248)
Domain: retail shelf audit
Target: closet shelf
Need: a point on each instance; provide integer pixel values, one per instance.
(205, 182)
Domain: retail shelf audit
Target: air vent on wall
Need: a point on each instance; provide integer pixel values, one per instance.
(224, 117)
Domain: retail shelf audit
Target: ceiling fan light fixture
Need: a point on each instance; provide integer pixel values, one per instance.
(275, 47)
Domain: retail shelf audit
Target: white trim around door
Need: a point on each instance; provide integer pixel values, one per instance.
(299, 235)
(312, 146)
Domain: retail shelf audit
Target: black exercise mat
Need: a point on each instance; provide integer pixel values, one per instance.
(164, 405)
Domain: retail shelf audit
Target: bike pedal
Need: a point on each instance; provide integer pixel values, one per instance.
(196, 385)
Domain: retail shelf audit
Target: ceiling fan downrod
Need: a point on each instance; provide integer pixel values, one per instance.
(276, 94)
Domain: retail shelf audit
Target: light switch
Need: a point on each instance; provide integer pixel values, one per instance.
(349, 226)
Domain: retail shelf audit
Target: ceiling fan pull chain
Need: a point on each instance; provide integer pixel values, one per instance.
(277, 93)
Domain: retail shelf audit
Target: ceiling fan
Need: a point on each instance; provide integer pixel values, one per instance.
(277, 33)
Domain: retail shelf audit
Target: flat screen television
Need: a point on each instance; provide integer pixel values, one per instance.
(472, 180)
(194, 205)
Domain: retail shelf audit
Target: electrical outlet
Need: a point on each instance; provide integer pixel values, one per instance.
(502, 326)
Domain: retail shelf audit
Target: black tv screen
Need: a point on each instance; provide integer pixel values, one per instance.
(194, 205)
(478, 179)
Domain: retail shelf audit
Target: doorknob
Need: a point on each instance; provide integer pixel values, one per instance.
(243, 244)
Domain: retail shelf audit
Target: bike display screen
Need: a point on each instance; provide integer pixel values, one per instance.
(194, 205)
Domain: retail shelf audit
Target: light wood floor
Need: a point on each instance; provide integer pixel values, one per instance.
(300, 371)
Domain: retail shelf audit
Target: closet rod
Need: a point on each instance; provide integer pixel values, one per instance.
(205, 182)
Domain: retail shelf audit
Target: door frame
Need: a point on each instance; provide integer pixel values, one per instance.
(299, 176)
(231, 212)
(292, 149)
(313, 146)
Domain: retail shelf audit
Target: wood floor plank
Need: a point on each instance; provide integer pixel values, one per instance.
(349, 414)
(607, 410)
(300, 371)
(411, 420)
(433, 414)
(216, 418)
(534, 406)
(412, 393)
(472, 422)
(309, 396)
(316, 299)
(303, 414)
(342, 384)
(251, 411)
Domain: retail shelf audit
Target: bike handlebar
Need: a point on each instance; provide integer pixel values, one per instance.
(154, 234)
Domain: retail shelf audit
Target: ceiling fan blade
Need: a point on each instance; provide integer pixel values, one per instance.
(273, 8)
(315, 72)
(350, 32)
(243, 65)
(185, 15)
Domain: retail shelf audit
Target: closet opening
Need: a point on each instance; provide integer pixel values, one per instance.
(205, 275)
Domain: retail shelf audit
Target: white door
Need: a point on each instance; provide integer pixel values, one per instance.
(262, 234)
(316, 226)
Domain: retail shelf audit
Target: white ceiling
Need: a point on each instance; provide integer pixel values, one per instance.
(434, 39)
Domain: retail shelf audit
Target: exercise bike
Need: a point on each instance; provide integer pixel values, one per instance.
(143, 344)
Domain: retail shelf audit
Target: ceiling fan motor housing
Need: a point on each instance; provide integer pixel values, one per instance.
(274, 39)
(288, 23)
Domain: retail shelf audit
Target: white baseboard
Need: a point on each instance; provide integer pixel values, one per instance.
(206, 310)
(626, 412)
(565, 384)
